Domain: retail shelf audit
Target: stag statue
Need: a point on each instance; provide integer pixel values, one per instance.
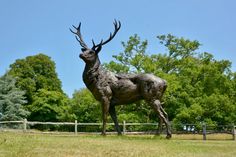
(113, 89)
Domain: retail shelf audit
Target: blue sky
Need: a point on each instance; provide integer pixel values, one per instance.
(29, 27)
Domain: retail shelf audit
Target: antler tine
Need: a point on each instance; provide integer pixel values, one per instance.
(112, 35)
(93, 43)
(80, 39)
(117, 27)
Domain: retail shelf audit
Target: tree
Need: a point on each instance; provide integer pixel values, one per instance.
(46, 100)
(34, 73)
(11, 100)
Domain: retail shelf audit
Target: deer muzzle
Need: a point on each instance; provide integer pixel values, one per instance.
(81, 55)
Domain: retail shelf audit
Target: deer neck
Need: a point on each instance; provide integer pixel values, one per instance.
(91, 72)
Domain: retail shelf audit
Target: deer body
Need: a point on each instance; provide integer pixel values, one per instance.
(117, 89)
(122, 88)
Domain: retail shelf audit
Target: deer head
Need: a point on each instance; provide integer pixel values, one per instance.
(89, 55)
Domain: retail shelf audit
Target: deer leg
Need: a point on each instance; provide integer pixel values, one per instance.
(160, 125)
(112, 112)
(105, 108)
(160, 128)
(164, 112)
(157, 107)
(160, 120)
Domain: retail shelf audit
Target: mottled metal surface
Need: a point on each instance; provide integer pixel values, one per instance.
(117, 89)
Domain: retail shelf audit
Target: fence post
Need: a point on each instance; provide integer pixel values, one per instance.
(233, 132)
(204, 131)
(76, 124)
(124, 127)
(25, 125)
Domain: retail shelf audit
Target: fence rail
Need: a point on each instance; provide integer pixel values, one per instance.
(128, 128)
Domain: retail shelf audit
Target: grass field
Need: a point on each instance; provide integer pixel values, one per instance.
(59, 145)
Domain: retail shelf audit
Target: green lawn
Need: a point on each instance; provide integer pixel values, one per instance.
(57, 145)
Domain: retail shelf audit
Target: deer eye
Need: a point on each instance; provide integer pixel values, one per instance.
(91, 52)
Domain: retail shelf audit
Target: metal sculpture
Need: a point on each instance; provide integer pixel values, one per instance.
(113, 89)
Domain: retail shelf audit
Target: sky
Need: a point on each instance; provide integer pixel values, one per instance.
(30, 27)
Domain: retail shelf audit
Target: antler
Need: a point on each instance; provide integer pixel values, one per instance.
(80, 40)
(117, 27)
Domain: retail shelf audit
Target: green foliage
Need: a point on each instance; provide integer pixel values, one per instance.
(85, 107)
(132, 58)
(191, 115)
(50, 106)
(11, 100)
(200, 88)
(138, 112)
(34, 73)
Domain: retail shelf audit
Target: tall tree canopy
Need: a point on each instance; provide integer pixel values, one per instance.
(37, 76)
(34, 73)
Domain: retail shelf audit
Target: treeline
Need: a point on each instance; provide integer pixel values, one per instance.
(200, 88)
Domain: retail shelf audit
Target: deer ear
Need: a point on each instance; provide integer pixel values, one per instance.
(98, 49)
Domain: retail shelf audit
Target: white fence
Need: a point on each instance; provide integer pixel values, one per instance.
(187, 128)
